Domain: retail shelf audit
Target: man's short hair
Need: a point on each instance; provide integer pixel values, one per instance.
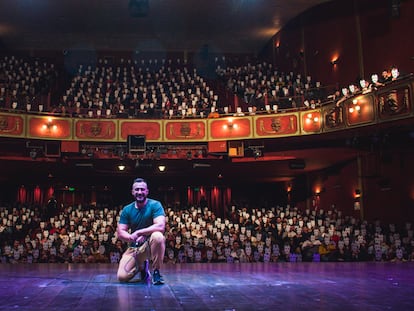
(139, 179)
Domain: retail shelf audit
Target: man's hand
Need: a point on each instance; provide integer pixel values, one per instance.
(137, 237)
(140, 240)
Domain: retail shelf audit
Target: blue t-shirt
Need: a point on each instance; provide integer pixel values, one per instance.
(141, 218)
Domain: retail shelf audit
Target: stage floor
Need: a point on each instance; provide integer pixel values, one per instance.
(252, 286)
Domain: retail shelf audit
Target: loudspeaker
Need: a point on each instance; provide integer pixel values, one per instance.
(136, 143)
(297, 164)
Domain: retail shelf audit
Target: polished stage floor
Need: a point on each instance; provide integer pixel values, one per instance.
(278, 286)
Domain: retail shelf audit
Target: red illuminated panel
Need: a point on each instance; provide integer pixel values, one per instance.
(360, 110)
(276, 125)
(49, 127)
(11, 125)
(150, 129)
(230, 128)
(311, 121)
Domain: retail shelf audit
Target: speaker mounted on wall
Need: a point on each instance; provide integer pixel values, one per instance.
(136, 143)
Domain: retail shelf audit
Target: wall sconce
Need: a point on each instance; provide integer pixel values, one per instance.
(49, 126)
(311, 119)
(355, 107)
(334, 62)
(230, 125)
(161, 168)
(357, 193)
(121, 167)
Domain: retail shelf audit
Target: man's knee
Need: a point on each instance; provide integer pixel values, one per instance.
(123, 275)
(157, 238)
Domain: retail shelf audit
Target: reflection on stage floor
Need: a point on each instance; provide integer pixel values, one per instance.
(250, 286)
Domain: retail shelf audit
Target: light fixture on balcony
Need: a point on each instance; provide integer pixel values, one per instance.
(50, 126)
(161, 168)
(355, 107)
(230, 125)
(121, 167)
(310, 118)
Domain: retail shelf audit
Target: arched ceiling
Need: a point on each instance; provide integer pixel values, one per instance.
(226, 26)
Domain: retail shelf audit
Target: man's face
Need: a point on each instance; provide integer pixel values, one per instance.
(140, 192)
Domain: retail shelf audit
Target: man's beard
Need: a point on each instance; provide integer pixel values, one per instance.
(140, 198)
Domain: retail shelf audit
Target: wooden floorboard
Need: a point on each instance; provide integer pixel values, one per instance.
(250, 286)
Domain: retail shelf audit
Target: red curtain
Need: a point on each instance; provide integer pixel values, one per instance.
(37, 195)
(22, 195)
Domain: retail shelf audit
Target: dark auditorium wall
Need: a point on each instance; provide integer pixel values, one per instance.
(385, 182)
(362, 35)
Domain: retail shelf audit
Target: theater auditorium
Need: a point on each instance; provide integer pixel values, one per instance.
(206, 155)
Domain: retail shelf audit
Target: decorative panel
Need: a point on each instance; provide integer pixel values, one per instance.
(359, 110)
(95, 129)
(395, 103)
(12, 125)
(333, 117)
(311, 121)
(276, 125)
(230, 128)
(150, 129)
(186, 130)
(46, 127)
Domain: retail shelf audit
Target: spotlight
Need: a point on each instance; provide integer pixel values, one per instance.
(257, 153)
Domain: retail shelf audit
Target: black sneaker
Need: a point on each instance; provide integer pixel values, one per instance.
(145, 274)
(157, 278)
